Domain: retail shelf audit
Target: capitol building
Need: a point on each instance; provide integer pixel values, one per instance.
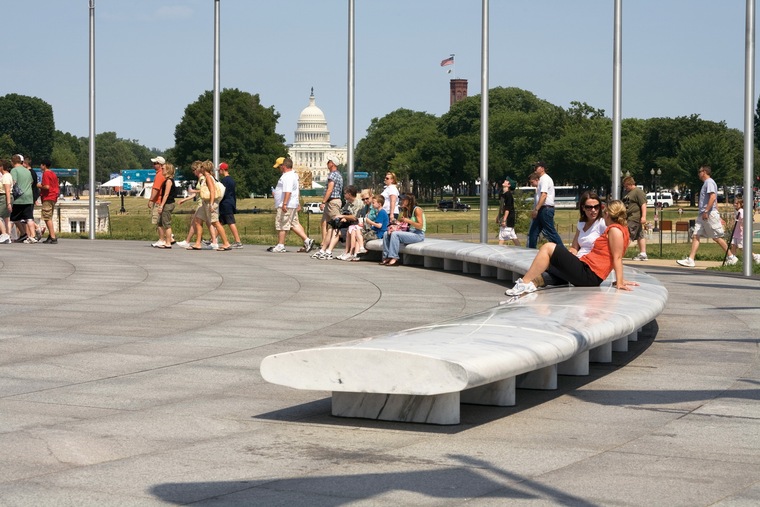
(312, 149)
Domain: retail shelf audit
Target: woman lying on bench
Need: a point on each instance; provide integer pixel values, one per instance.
(591, 269)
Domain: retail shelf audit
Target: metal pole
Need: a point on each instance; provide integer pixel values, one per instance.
(617, 103)
(749, 134)
(484, 127)
(351, 92)
(91, 165)
(215, 155)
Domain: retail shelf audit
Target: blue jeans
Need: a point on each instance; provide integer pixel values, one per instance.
(391, 242)
(544, 222)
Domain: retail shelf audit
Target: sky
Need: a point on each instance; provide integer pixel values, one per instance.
(155, 57)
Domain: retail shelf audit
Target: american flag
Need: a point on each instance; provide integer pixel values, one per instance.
(447, 61)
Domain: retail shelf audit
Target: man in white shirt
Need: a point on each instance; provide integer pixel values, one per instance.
(543, 210)
(286, 201)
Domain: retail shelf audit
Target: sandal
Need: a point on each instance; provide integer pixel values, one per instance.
(384, 262)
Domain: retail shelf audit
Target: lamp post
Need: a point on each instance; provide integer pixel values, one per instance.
(656, 173)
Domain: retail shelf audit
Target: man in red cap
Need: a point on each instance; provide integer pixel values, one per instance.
(228, 204)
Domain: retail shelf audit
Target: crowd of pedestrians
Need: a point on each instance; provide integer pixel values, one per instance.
(20, 191)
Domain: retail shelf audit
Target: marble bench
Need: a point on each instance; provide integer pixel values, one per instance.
(423, 374)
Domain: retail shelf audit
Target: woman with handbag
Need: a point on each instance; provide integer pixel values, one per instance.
(407, 229)
(209, 211)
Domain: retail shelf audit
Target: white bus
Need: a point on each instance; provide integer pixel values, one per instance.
(564, 196)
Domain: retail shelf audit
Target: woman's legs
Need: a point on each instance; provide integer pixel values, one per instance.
(541, 262)
(403, 237)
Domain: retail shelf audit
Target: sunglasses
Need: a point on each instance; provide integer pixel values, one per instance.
(589, 207)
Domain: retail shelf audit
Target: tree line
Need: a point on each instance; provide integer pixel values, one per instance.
(430, 153)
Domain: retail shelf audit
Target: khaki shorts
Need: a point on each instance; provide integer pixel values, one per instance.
(4, 213)
(711, 228)
(47, 210)
(165, 220)
(286, 220)
(154, 214)
(207, 214)
(332, 209)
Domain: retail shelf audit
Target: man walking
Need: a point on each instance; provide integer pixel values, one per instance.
(636, 206)
(708, 223)
(506, 216)
(155, 198)
(286, 201)
(22, 213)
(228, 204)
(49, 191)
(543, 210)
(330, 205)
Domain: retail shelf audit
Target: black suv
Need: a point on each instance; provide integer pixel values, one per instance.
(453, 206)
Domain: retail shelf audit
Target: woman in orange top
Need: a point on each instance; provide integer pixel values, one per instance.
(591, 269)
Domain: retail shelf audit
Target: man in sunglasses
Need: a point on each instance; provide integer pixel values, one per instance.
(636, 206)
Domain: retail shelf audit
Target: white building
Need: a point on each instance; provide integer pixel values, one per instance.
(312, 149)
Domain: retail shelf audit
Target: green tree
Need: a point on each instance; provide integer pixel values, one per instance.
(248, 140)
(29, 123)
(66, 150)
(720, 152)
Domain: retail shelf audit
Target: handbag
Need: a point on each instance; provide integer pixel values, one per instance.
(16, 191)
(205, 192)
(399, 226)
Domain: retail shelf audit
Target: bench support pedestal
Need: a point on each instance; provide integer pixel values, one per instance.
(438, 409)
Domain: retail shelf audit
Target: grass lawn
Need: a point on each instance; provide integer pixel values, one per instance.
(259, 228)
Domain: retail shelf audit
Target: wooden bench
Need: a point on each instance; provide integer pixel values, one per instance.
(423, 374)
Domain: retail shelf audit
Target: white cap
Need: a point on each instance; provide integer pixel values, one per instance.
(160, 160)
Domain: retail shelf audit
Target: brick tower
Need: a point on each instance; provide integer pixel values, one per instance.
(458, 89)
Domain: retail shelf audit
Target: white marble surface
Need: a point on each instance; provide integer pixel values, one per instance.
(537, 331)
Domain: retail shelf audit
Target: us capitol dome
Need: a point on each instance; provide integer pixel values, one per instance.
(312, 149)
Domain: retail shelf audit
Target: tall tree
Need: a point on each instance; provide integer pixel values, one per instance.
(248, 140)
(29, 123)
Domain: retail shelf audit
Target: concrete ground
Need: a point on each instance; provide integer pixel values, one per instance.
(129, 376)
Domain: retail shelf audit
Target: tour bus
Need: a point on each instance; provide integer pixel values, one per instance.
(564, 196)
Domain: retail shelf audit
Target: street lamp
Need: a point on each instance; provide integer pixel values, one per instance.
(656, 184)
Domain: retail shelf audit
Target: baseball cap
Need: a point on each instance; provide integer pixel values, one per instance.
(278, 162)
(540, 163)
(19, 155)
(224, 166)
(160, 160)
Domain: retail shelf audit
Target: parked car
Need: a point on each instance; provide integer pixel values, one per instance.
(664, 199)
(453, 206)
(311, 207)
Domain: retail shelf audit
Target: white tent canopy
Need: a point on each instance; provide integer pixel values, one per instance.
(116, 182)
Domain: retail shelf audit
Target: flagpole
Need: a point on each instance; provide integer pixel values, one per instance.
(217, 115)
(91, 165)
(484, 128)
(351, 93)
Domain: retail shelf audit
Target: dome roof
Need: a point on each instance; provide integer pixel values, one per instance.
(311, 113)
(312, 125)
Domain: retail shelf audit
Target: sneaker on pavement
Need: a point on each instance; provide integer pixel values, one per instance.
(4, 238)
(30, 241)
(182, 244)
(276, 249)
(687, 262)
(236, 244)
(214, 246)
(308, 245)
(520, 288)
(318, 254)
(158, 244)
(730, 261)
(325, 256)
(641, 257)
(344, 257)
(53, 241)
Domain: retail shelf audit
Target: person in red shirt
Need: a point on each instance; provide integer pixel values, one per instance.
(49, 192)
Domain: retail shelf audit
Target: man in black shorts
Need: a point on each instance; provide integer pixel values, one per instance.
(228, 204)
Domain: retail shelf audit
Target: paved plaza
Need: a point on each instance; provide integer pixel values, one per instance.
(129, 377)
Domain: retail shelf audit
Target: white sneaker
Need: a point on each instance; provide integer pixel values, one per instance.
(4, 239)
(362, 250)
(30, 241)
(730, 261)
(641, 257)
(276, 249)
(520, 288)
(182, 244)
(344, 257)
(158, 244)
(756, 258)
(308, 245)
(214, 246)
(318, 254)
(687, 262)
(326, 256)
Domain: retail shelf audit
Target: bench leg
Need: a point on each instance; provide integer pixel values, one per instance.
(620, 345)
(488, 271)
(601, 354)
(498, 394)
(633, 337)
(452, 265)
(470, 268)
(576, 365)
(543, 378)
(438, 409)
(412, 260)
(504, 274)
(433, 262)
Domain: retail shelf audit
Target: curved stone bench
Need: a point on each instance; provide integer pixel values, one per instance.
(423, 374)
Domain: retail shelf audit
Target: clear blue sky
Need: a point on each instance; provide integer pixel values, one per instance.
(154, 57)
